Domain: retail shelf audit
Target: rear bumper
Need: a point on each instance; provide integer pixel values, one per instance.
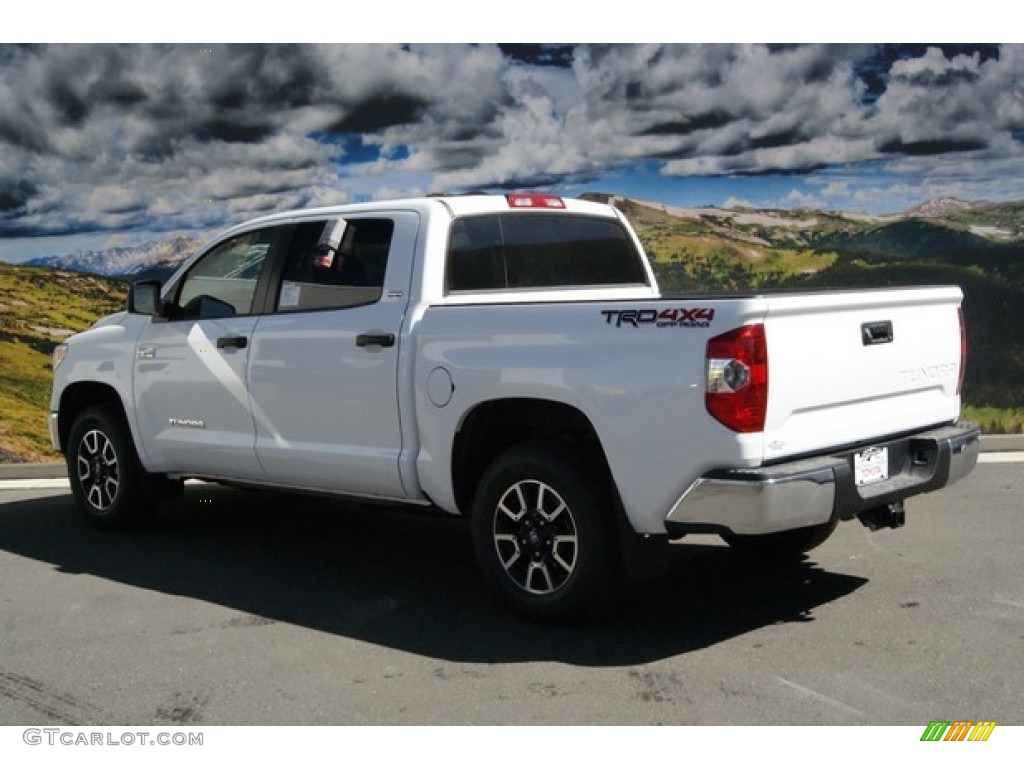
(815, 490)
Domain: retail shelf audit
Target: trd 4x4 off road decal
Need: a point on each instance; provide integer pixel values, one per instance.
(679, 317)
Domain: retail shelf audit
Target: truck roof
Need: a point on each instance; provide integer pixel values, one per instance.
(456, 205)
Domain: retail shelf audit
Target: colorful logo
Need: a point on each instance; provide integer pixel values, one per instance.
(958, 730)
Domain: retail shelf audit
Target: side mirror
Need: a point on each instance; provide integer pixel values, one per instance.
(144, 298)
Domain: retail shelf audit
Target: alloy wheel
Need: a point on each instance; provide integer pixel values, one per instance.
(98, 472)
(535, 537)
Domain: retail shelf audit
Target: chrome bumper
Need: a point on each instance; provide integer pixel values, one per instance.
(815, 490)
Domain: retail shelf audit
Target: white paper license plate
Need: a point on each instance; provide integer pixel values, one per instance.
(871, 466)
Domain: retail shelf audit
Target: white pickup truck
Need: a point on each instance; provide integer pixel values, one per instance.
(510, 358)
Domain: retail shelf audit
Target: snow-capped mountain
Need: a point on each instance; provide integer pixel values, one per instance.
(941, 206)
(148, 259)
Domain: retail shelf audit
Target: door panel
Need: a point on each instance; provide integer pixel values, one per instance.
(193, 403)
(325, 402)
(191, 367)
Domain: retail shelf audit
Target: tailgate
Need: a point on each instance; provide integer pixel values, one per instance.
(850, 367)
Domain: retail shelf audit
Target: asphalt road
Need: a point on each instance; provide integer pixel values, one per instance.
(242, 608)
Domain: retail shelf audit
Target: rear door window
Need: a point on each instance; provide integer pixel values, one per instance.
(517, 250)
(335, 264)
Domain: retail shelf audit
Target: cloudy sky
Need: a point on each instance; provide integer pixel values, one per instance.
(104, 145)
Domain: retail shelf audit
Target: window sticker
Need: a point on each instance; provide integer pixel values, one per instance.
(291, 293)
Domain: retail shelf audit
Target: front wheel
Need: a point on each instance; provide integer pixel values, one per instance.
(110, 487)
(543, 534)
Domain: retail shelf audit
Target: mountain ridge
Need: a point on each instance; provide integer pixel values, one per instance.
(941, 228)
(155, 256)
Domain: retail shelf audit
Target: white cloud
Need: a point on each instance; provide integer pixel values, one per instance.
(738, 202)
(798, 199)
(113, 136)
(114, 199)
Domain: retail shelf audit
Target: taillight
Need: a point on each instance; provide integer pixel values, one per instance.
(963, 350)
(534, 200)
(737, 378)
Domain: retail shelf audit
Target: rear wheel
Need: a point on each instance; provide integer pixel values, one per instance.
(543, 534)
(784, 545)
(110, 487)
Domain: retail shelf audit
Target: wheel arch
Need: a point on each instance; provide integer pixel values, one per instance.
(492, 427)
(81, 395)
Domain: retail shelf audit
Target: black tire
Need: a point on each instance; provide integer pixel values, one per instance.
(785, 545)
(543, 534)
(110, 487)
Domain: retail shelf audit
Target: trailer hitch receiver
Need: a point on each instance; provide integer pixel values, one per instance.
(888, 516)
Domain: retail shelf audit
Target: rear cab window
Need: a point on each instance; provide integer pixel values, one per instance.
(503, 251)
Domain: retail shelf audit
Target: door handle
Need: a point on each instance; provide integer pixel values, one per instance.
(876, 333)
(232, 342)
(375, 339)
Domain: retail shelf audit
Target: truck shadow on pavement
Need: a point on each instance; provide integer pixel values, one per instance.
(405, 581)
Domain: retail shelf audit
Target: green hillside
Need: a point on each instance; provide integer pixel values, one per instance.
(691, 254)
(39, 307)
